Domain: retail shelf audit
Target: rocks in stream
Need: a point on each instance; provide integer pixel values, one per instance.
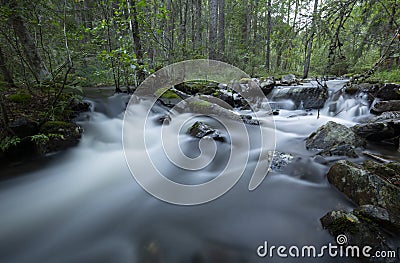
(387, 105)
(307, 97)
(360, 230)
(374, 187)
(201, 130)
(383, 127)
(389, 92)
(365, 187)
(289, 79)
(334, 139)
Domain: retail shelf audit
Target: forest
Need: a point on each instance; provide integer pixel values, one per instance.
(119, 43)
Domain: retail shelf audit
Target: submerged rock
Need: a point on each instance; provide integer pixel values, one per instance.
(364, 187)
(334, 139)
(307, 97)
(200, 130)
(280, 160)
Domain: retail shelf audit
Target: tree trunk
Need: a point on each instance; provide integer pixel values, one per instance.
(29, 48)
(268, 51)
(199, 28)
(212, 33)
(137, 44)
(310, 41)
(221, 29)
(7, 76)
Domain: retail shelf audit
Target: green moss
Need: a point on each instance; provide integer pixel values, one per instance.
(344, 224)
(53, 127)
(166, 93)
(20, 97)
(200, 103)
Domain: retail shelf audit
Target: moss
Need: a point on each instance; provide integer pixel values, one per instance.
(244, 81)
(200, 103)
(20, 97)
(166, 93)
(344, 224)
(53, 127)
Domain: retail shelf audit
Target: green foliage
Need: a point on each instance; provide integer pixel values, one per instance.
(8, 142)
(40, 139)
(392, 76)
(22, 98)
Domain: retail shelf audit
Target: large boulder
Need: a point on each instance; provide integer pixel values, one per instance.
(386, 105)
(307, 97)
(383, 127)
(364, 187)
(334, 139)
(389, 92)
(354, 229)
(24, 127)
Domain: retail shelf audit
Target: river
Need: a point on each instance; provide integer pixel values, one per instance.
(83, 205)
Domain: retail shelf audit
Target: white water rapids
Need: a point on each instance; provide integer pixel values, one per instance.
(84, 206)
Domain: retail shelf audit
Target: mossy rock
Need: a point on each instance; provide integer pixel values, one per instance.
(166, 93)
(56, 127)
(21, 97)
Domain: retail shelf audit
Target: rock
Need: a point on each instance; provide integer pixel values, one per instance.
(168, 97)
(334, 139)
(383, 127)
(364, 187)
(340, 150)
(357, 232)
(289, 79)
(197, 87)
(307, 97)
(61, 135)
(24, 127)
(247, 119)
(200, 130)
(197, 105)
(385, 171)
(383, 106)
(378, 215)
(280, 160)
(267, 85)
(389, 92)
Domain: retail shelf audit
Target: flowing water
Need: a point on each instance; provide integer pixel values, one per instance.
(84, 206)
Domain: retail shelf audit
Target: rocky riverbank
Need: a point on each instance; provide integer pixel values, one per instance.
(38, 122)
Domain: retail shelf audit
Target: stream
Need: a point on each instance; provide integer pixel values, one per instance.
(83, 205)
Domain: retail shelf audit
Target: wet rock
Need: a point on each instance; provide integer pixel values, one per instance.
(357, 231)
(247, 119)
(197, 105)
(289, 79)
(200, 130)
(23, 127)
(280, 160)
(379, 216)
(307, 97)
(168, 97)
(267, 85)
(383, 127)
(164, 120)
(364, 187)
(389, 92)
(388, 172)
(334, 139)
(387, 105)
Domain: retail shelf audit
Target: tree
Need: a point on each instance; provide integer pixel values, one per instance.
(212, 33)
(310, 41)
